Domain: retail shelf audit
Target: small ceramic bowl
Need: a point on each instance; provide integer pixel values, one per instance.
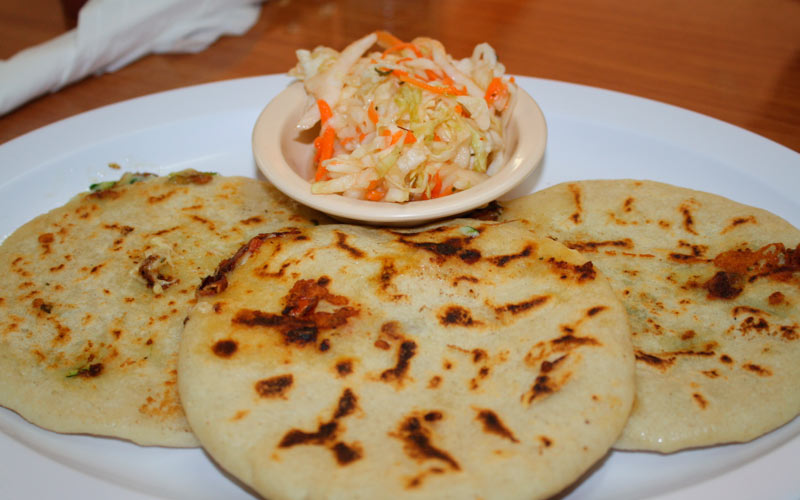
(285, 156)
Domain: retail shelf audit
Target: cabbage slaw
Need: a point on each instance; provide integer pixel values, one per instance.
(405, 124)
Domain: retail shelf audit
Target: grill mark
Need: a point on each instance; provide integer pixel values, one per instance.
(700, 400)
(653, 360)
(344, 368)
(667, 359)
(274, 386)
(406, 351)
(685, 258)
(592, 246)
(576, 217)
(493, 425)
(387, 274)
(627, 205)
(211, 226)
(523, 306)
(548, 366)
(296, 437)
(688, 219)
(346, 405)
(543, 384)
(596, 309)
(433, 416)
(502, 260)
(252, 220)
(451, 247)
(346, 454)
(758, 370)
(158, 199)
(738, 221)
(225, 348)
(570, 341)
(417, 443)
(341, 242)
(457, 315)
(90, 371)
(327, 432)
(580, 273)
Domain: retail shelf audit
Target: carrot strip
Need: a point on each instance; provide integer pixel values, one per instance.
(450, 90)
(386, 39)
(410, 138)
(401, 46)
(324, 151)
(437, 185)
(445, 192)
(373, 115)
(496, 90)
(375, 191)
(396, 137)
(324, 110)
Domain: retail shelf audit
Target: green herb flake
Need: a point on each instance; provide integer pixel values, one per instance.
(101, 186)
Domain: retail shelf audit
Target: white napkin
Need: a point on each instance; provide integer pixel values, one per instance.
(113, 33)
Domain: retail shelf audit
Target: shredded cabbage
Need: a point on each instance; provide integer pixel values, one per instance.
(409, 123)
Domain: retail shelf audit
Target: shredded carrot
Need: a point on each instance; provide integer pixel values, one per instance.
(396, 137)
(324, 110)
(496, 90)
(322, 172)
(410, 138)
(437, 185)
(431, 74)
(401, 46)
(445, 192)
(449, 90)
(386, 39)
(373, 115)
(324, 144)
(375, 191)
(458, 109)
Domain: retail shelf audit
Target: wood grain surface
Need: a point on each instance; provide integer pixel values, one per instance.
(735, 60)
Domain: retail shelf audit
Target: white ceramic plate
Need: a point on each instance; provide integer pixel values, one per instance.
(285, 157)
(592, 134)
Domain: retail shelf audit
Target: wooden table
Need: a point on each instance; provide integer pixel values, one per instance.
(735, 60)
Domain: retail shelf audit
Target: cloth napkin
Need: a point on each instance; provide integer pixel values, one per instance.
(113, 33)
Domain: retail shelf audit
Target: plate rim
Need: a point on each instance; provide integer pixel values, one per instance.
(702, 134)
